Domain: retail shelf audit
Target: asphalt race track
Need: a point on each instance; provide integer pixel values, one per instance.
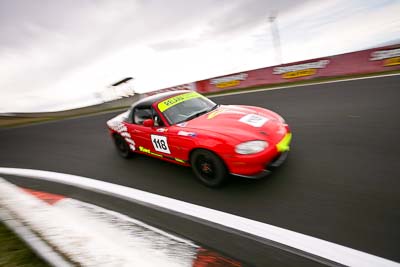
(341, 182)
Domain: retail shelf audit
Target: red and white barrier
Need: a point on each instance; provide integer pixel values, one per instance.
(361, 62)
(88, 235)
(300, 243)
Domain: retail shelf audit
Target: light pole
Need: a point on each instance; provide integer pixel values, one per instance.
(275, 38)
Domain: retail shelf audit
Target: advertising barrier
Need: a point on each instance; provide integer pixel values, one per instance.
(361, 62)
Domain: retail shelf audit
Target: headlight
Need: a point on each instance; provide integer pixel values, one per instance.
(251, 147)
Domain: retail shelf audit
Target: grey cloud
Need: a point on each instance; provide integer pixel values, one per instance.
(74, 34)
(98, 27)
(173, 44)
(246, 14)
(77, 33)
(21, 21)
(228, 18)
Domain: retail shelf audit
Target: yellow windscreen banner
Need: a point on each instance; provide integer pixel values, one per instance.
(170, 102)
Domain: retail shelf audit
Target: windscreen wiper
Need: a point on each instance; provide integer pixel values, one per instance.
(197, 115)
(214, 107)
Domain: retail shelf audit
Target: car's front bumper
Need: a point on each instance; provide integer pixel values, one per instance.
(268, 169)
(258, 166)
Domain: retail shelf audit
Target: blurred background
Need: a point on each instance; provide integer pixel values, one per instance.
(57, 55)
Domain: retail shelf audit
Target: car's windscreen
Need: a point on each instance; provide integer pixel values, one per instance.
(185, 107)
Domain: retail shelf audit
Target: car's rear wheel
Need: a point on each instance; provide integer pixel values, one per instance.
(122, 146)
(208, 168)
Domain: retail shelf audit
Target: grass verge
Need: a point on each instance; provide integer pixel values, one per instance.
(6, 122)
(14, 252)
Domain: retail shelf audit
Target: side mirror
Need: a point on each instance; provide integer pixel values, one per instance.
(148, 123)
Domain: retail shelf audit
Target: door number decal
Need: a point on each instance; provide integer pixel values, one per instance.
(160, 143)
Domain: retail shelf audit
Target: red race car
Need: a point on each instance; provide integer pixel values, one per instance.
(189, 129)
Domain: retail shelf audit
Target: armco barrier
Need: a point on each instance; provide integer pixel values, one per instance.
(67, 232)
(318, 250)
(362, 62)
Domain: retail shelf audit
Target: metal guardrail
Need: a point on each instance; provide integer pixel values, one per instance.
(315, 249)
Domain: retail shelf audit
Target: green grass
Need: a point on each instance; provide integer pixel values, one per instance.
(18, 121)
(14, 252)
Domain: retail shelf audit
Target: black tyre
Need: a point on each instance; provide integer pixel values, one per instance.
(122, 146)
(208, 168)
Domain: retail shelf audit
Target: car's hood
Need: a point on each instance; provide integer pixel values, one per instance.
(243, 123)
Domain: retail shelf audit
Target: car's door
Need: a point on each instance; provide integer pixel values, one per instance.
(160, 142)
(166, 141)
(140, 134)
(180, 142)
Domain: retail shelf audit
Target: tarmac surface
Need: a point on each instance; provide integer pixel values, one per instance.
(341, 182)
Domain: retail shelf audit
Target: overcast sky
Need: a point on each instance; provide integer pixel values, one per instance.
(60, 54)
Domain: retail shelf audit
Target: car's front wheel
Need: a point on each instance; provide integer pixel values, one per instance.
(122, 146)
(208, 168)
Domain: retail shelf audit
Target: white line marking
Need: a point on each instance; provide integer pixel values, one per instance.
(299, 85)
(328, 250)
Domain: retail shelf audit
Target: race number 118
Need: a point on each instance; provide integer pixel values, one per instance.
(160, 143)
